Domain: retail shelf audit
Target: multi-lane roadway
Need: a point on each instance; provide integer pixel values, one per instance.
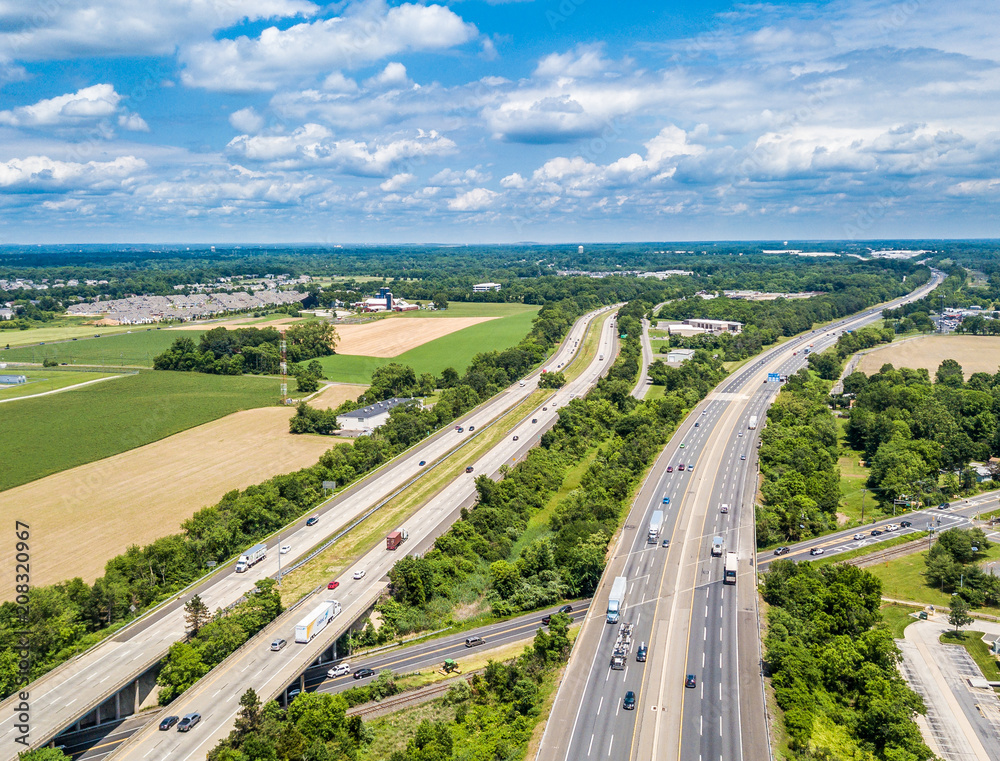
(73, 690)
(692, 623)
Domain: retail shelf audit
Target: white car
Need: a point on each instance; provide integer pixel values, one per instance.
(359, 574)
(891, 527)
(858, 537)
(285, 549)
(341, 669)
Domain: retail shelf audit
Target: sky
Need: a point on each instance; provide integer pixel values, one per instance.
(481, 121)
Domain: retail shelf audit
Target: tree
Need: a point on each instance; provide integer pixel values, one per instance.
(552, 380)
(959, 615)
(249, 717)
(196, 614)
(440, 301)
(307, 384)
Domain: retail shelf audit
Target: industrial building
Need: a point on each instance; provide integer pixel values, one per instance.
(715, 326)
(367, 419)
(484, 287)
(680, 355)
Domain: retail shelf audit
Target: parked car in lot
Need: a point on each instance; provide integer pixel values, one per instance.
(816, 551)
(364, 673)
(278, 644)
(782, 551)
(359, 574)
(629, 702)
(168, 722)
(188, 721)
(313, 521)
(333, 585)
(341, 669)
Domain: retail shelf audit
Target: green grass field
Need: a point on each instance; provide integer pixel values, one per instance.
(455, 350)
(898, 617)
(469, 309)
(40, 381)
(131, 349)
(61, 329)
(61, 431)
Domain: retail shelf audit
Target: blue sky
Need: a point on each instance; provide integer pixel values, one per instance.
(473, 121)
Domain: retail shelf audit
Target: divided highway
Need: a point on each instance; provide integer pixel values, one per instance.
(216, 696)
(74, 689)
(676, 600)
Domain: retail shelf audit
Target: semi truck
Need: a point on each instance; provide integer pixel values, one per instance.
(317, 620)
(251, 557)
(718, 546)
(617, 599)
(623, 645)
(396, 538)
(753, 422)
(729, 574)
(655, 524)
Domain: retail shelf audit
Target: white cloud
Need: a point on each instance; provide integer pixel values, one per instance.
(73, 109)
(42, 172)
(132, 123)
(455, 178)
(515, 181)
(397, 181)
(473, 200)
(585, 61)
(313, 145)
(246, 120)
(393, 75)
(81, 28)
(368, 32)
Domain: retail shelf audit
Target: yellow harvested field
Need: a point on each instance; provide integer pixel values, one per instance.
(243, 322)
(976, 354)
(82, 517)
(391, 337)
(336, 394)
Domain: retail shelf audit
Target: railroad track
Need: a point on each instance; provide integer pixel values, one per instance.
(890, 553)
(395, 703)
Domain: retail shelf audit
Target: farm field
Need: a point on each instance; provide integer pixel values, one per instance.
(271, 321)
(392, 337)
(60, 431)
(67, 329)
(136, 496)
(135, 349)
(455, 350)
(42, 381)
(974, 353)
(472, 309)
(335, 394)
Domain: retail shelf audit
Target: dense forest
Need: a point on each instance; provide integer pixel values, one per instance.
(833, 666)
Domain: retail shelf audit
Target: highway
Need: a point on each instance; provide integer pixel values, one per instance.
(74, 689)
(96, 743)
(216, 696)
(676, 600)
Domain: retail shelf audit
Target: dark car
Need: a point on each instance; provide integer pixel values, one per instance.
(472, 427)
(876, 532)
(905, 524)
(534, 420)
(422, 462)
(944, 506)
(468, 468)
(566, 609)
(629, 702)
(516, 438)
(697, 425)
(690, 681)
(640, 654)
(168, 722)
(188, 721)
(364, 673)
(666, 542)
(782, 551)
(546, 620)
(333, 585)
(313, 521)
(681, 467)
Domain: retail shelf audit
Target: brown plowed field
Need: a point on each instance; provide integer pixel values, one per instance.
(336, 394)
(82, 517)
(391, 337)
(243, 322)
(974, 353)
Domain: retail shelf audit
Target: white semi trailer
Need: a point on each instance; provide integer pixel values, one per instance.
(317, 620)
(251, 557)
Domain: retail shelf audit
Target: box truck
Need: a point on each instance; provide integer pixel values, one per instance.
(655, 524)
(396, 538)
(251, 557)
(317, 619)
(753, 422)
(730, 569)
(617, 599)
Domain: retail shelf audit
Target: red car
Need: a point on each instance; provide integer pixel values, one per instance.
(333, 585)
(670, 469)
(681, 467)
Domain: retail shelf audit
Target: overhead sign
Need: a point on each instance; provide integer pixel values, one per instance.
(773, 378)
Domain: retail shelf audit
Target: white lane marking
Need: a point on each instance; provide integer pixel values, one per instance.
(591, 744)
(705, 634)
(701, 725)
(610, 744)
(600, 705)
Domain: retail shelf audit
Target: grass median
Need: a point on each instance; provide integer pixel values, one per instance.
(588, 350)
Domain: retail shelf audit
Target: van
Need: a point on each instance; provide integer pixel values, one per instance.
(341, 669)
(473, 641)
(521, 383)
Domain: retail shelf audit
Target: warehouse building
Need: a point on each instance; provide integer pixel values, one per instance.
(484, 287)
(367, 419)
(715, 326)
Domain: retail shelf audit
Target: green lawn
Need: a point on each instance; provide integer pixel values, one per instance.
(40, 381)
(455, 350)
(656, 392)
(61, 431)
(135, 349)
(61, 329)
(899, 617)
(972, 641)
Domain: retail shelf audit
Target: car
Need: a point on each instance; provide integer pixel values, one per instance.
(666, 542)
(333, 585)
(858, 537)
(891, 527)
(876, 532)
(285, 549)
(188, 721)
(294, 693)
(516, 438)
(905, 524)
(944, 506)
(278, 644)
(743, 456)
(724, 509)
(740, 434)
(670, 469)
(816, 551)
(359, 574)
(472, 428)
(705, 412)
(629, 702)
(422, 463)
(680, 467)
(640, 654)
(782, 550)
(313, 521)
(474, 641)
(546, 619)
(545, 409)
(534, 420)
(666, 500)
(364, 673)
(698, 424)
(341, 669)
(690, 681)
(682, 445)
(520, 383)
(690, 466)
(468, 468)
(566, 609)
(460, 429)
(168, 722)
